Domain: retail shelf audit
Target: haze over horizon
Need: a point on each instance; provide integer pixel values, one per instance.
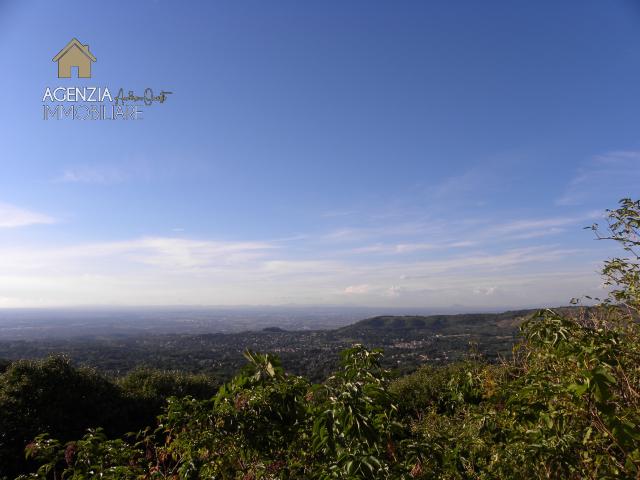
(364, 154)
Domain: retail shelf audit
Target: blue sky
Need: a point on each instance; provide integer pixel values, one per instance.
(431, 154)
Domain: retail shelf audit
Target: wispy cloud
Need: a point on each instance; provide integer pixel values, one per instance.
(614, 174)
(402, 248)
(479, 261)
(12, 217)
(484, 290)
(168, 270)
(442, 237)
(338, 213)
(465, 182)
(538, 227)
(405, 260)
(92, 174)
(166, 253)
(379, 230)
(356, 289)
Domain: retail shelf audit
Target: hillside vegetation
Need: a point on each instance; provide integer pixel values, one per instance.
(565, 405)
(442, 323)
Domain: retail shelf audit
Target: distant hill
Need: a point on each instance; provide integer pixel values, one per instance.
(442, 324)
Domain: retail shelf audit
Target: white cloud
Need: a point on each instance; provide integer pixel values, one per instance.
(393, 291)
(402, 248)
(12, 217)
(166, 253)
(185, 253)
(92, 174)
(416, 263)
(164, 270)
(356, 289)
(484, 290)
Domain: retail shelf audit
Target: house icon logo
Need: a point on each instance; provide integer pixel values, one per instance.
(74, 55)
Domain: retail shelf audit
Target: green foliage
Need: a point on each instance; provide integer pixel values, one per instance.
(52, 396)
(249, 425)
(93, 456)
(574, 404)
(160, 385)
(442, 389)
(623, 273)
(151, 388)
(4, 364)
(266, 424)
(354, 428)
(55, 397)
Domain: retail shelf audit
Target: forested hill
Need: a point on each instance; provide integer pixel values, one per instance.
(441, 323)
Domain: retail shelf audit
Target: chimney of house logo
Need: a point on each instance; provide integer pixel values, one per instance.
(74, 54)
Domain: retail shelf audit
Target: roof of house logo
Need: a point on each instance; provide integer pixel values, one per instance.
(74, 54)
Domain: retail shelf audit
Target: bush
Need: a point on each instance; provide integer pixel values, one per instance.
(4, 364)
(442, 389)
(151, 388)
(52, 396)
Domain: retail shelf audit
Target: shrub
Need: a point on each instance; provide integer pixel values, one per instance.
(52, 396)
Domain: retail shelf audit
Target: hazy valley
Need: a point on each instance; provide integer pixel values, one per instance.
(307, 340)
